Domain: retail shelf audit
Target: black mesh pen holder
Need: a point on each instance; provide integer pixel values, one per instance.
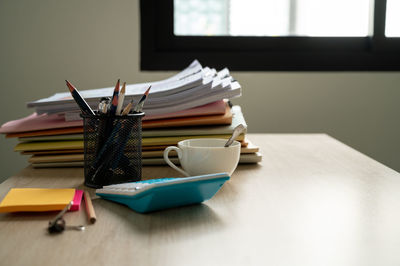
(112, 149)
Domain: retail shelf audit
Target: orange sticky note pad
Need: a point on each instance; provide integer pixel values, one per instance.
(36, 199)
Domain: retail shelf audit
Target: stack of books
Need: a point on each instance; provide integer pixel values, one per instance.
(191, 104)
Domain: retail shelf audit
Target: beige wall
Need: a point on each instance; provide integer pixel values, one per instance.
(92, 43)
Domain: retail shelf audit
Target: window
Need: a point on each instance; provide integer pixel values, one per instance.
(271, 17)
(393, 18)
(271, 34)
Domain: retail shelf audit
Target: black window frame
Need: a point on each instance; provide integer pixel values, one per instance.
(162, 50)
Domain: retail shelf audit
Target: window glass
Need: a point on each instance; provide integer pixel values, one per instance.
(333, 18)
(259, 17)
(201, 17)
(272, 17)
(392, 18)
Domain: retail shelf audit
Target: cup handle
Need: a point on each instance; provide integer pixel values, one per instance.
(168, 161)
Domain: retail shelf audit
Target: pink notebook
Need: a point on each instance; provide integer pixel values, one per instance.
(36, 122)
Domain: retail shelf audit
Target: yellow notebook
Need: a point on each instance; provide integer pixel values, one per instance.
(49, 145)
(78, 144)
(175, 139)
(36, 199)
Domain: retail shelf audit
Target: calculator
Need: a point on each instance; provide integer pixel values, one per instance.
(157, 194)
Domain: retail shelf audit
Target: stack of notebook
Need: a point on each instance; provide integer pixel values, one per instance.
(191, 104)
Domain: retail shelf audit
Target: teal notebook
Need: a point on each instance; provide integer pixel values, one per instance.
(157, 194)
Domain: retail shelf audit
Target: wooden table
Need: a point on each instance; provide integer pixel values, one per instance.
(311, 201)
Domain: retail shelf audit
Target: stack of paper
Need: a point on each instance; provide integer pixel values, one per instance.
(191, 104)
(192, 87)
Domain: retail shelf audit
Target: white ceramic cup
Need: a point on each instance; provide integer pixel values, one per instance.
(205, 156)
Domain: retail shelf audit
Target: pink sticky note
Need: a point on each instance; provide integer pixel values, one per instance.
(76, 202)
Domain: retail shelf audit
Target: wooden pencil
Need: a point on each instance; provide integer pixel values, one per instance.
(85, 108)
(128, 108)
(121, 98)
(89, 208)
(114, 99)
(139, 107)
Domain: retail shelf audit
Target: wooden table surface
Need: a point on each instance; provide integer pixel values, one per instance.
(311, 201)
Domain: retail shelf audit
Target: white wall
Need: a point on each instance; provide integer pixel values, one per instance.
(92, 43)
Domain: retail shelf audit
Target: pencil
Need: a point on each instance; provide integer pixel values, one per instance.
(85, 108)
(121, 98)
(89, 208)
(114, 100)
(139, 106)
(128, 108)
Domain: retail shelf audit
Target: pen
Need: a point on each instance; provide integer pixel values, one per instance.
(85, 108)
(114, 100)
(103, 105)
(102, 123)
(105, 108)
(121, 98)
(139, 106)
